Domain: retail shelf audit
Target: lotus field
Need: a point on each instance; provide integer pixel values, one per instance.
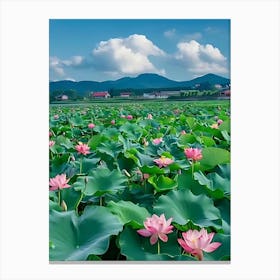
(143, 181)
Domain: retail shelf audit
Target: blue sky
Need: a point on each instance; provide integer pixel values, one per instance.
(99, 50)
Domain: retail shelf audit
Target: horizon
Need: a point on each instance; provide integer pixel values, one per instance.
(110, 49)
(52, 81)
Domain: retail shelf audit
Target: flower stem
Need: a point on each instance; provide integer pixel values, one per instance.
(158, 248)
(101, 201)
(81, 165)
(59, 196)
(81, 196)
(192, 169)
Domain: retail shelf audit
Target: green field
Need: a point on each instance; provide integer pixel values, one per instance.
(122, 172)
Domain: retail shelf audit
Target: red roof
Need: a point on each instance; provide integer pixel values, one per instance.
(226, 92)
(100, 94)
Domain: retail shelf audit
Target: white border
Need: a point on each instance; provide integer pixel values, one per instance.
(255, 137)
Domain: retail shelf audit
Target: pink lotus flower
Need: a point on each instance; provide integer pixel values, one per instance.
(59, 182)
(56, 117)
(195, 242)
(150, 117)
(129, 117)
(82, 148)
(51, 143)
(183, 132)
(123, 116)
(157, 141)
(193, 153)
(163, 161)
(113, 122)
(91, 125)
(156, 227)
(219, 122)
(146, 176)
(50, 134)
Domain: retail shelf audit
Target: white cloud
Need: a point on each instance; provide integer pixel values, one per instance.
(126, 56)
(192, 36)
(170, 33)
(201, 59)
(56, 66)
(70, 79)
(73, 61)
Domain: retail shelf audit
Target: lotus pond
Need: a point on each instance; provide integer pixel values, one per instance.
(139, 181)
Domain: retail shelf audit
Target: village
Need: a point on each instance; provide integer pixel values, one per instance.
(217, 91)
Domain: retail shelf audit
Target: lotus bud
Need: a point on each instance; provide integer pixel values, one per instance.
(63, 205)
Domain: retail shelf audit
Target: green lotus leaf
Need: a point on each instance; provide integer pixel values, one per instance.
(132, 130)
(111, 133)
(110, 148)
(88, 164)
(223, 252)
(129, 212)
(76, 120)
(75, 237)
(213, 156)
(225, 126)
(224, 206)
(100, 181)
(163, 183)
(186, 139)
(226, 136)
(208, 141)
(152, 170)
(184, 206)
(95, 141)
(65, 142)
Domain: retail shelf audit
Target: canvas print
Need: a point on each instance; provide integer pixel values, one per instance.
(139, 140)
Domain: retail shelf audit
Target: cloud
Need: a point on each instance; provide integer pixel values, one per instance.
(170, 33)
(201, 59)
(73, 61)
(56, 66)
(126, 55)
(192, 36)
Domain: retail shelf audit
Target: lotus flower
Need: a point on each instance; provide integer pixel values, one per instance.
(129, 117)
(156, 227)
(56, 117)
(149, 116)
(51, 143)
(195, 242)
(183, 132)
(91, 125)
(219, 122)
(215, 126)
(157, 141)
(113, 122)
(193, 153)
(59, 182)
(82, 148)
(163, 161)
(146, 176)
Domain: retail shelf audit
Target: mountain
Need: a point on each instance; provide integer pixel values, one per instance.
(143, 81)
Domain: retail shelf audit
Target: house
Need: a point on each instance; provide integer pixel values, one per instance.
(125, 94)
(100, 94)
(62, 97)
(225, 92)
